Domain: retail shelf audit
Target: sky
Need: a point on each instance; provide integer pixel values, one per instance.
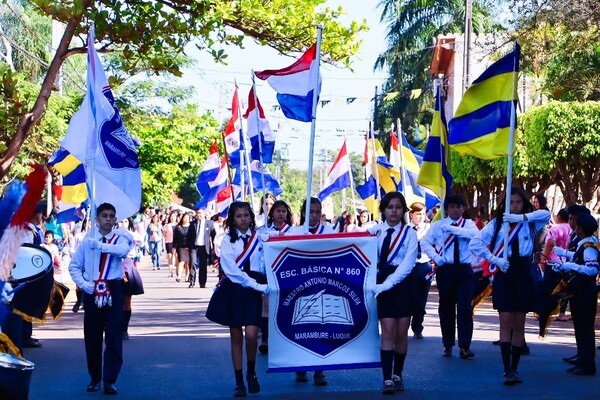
(337, 119)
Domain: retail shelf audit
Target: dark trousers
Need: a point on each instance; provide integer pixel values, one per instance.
(583, 310)
(455, 288)
(198, 265)
(421, 287)
(108, 322)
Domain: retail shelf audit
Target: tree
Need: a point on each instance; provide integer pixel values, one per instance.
(151, 36)
(412, 24)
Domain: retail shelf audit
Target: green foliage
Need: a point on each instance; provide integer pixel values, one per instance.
(174, 148)
(293, 183)
(562, 140)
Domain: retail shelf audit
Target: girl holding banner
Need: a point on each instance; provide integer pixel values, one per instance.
(398, 247)
(514, 287)
(279, 222)
(237, 302)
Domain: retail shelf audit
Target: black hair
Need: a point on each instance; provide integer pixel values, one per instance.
(587, 223)
(577, 209)
(527, 208)
(563, 214)
(271, 196)
(280, 203)
(233, 207)
(542, 201)
(454, 199)
(105, 207)
(49, 233)
(313, 200)
(385, 201)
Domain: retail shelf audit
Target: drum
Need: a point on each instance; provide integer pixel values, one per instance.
(15, 377)
(33, 280)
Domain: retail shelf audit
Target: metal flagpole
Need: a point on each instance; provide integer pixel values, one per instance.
(438, 83)
(245, 154)
(402, 167)
(374, 164)
(351, 181)
(262, 172)
(312, 129)
(511, 146)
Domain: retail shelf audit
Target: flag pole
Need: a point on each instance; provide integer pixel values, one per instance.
(438, 96)
(245, 155)
(351, 181)
(312, 129)
(511, 147)
(374, 164)
(401, 158)
(260, 151)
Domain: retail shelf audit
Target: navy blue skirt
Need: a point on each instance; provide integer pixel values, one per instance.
(234, 305)
(515, 289)
(398, 302)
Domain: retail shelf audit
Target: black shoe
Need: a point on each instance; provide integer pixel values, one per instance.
(239, 391)
(202, 286)
(466, 354)
(496, 342)
(573, 368)
(93, 387)
(263, 348)
(32, 343)
(398, 383)
(125, 336)
(570, 360)
(584, 371)
(447, 352)
(388, 387)
(418, 335)
(253, 386)
(319, 378)
(518, 378)
(191, 285)
(510, 378)
(301, 377)
(109, 388)
(525, 351)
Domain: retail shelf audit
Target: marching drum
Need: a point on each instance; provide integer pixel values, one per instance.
(15, 377)
(33, 279)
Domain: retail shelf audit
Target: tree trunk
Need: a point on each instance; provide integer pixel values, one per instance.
(30, 119)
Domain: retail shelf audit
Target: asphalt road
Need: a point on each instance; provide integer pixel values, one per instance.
(176, 353)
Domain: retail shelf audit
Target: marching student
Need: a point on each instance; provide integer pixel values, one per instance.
(447, 244)
(237, 301)
(279, 222)
(99, 273)
(584, 266)
(514, 287)
(397, 250)
(422, 271)
(315, 227)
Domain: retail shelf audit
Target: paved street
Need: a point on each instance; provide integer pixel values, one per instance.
(176, 353)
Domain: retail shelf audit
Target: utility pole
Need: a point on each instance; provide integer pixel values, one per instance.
(467, 43)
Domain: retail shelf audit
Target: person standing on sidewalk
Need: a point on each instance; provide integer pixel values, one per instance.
(96, 267)
(199, 240)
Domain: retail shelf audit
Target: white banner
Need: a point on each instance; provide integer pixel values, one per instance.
(322, 314)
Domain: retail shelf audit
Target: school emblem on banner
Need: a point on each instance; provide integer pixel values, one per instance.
(321, 304)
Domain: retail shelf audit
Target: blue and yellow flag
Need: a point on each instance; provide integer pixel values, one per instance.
(74, 188)
(481, 124)
(435, 174)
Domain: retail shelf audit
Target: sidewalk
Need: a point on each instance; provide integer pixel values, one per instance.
(176, 353)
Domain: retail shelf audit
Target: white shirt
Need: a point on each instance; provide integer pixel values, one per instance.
(421, 230)
(535, 220)
(229, 254)
(439, 231)
(404, 259)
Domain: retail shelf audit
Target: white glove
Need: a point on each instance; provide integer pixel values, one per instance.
(88, 287)
(448, 228)
(513, 217)
(5, 297)
(500, 263)
(94, 244)
(377, 290)
(262, 287)
(267, 291)
(556, 266)
(559, 251)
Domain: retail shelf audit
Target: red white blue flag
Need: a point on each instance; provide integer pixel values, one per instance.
(295, 85)
(339, 176)
(258, 129)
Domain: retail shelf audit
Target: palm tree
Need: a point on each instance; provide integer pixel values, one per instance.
(411, 27)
